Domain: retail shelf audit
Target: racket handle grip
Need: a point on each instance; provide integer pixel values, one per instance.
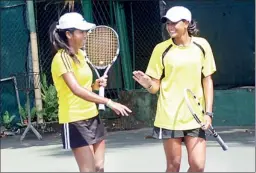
(222, 143)
(102, 93)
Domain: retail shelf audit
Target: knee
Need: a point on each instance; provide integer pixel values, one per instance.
(99, 169)
(197, 166)
(173, 165)
(99, 166)
(83, 167)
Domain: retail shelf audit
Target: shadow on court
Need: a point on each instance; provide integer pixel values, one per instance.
(126, 151)
(13, 142)
(234, 136)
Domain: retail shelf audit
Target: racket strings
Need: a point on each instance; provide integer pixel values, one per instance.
(101, 46)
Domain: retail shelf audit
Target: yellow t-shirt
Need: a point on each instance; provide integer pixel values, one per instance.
(71, 107)
(183, 68)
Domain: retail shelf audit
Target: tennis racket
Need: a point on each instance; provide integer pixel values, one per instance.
(195, 108)
(101, 50)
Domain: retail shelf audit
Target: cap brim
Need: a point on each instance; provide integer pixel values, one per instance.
(164, 19)
(85, 26)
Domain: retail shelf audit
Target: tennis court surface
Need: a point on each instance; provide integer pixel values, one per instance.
(127, 151)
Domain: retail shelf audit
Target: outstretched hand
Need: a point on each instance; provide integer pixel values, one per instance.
(118, 108)
(143, 79)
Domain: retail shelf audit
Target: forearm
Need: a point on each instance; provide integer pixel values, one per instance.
(89, 96)
(81, 92)
(208, 93)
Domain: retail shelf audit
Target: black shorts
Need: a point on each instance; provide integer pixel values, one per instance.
(160, 133)
(82, 133)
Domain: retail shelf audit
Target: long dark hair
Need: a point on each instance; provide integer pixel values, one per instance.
(192, 28)
(59, 40)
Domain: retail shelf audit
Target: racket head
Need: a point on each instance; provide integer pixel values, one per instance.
(101, 46)
(194, 105)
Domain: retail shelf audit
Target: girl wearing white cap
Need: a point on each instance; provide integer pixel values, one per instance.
(82, 129)
(183, 61)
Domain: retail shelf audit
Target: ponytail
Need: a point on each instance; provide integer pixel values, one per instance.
(192, 28)
(59, 40)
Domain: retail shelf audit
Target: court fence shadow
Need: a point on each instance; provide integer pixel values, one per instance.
(233, 136)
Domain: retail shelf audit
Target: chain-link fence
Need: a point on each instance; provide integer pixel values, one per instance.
(14, 58)
(143, 27)
(138, 25)
(143, 32)
(46, 13)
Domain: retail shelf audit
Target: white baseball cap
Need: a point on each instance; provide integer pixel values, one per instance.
(74, 20)
(176, 14)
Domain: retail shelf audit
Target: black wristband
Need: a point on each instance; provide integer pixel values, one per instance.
(209, 114)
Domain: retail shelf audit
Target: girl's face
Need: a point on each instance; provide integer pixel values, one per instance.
(76, 38)
(176, 29)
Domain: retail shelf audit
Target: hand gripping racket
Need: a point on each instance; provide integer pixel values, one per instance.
(195, 108)
(101, 50)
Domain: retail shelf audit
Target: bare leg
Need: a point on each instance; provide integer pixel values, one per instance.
(99, 155)
(196, 148)
(84, 158)
(172, 148)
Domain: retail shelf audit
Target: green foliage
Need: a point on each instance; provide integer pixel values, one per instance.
(24, 112)
(6, 120)
(49, 110)
(50, 101)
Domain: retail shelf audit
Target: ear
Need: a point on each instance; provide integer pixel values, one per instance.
(68, 34)
(186, 23)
